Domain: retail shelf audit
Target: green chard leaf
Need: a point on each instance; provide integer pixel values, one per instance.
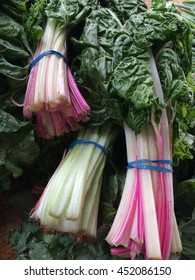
(124, 9)
(15, 75)
(187, 229)
(15, 8)
(70, 12)
(32, 243)
(179, 97)
(108, 69)
(8, 123)
(13, 32)
(184, 197)
(20, 236)
(113, 68)
(34, 20)
(18, 147)
(11, 51)
(113, 72)
(38, 251)
(14, 53)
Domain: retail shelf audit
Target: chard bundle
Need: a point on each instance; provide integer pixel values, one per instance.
(52, 94)
(136, 67)
(70, 201)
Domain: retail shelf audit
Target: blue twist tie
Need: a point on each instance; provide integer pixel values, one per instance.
(82, 141)
(140, 165)
(44, 54)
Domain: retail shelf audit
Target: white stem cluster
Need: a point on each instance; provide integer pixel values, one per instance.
(70, 201)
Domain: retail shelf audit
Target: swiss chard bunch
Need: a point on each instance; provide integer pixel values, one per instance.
(52, 93)
(70, 201)
(115, 70)
(124, 72)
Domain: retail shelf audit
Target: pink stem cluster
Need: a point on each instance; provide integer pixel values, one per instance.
(145, 222)
(52, 94)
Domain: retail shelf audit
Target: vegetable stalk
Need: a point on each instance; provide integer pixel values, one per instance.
(52, 93)
(160, 236)
(70, 201)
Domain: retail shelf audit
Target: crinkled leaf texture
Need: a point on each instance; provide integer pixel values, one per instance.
(114, 61)
(18, 147)
(14, 53)
(179, 97)
(32, 243)
(70, 12)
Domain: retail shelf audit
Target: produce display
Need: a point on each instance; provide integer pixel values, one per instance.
(97, 121)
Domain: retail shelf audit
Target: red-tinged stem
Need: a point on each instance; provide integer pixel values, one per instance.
(50, 124)
(151, 234)
(74, 125)
(165, 222)
(163, 139)
(40, 84)
(62, 84)
(125, 240)
(29, 95)
(55, 93)
(59, 123)
(136, 229)
(44, 125)
(81, 106)
(51, 82)
(128, 200)
(140, 211)
(133, 234)
(158, 188)
(119, 251)
(65, 111)
(168, 188)
(135, 249)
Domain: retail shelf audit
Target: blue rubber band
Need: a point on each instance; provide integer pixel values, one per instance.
(82, 141)
(140, 164)
(44, 54)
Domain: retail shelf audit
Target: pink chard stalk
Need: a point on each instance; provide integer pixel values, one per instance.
(52, 94)
(145, 221)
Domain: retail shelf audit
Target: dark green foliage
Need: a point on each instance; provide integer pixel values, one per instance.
(111, 42)
(32, 243)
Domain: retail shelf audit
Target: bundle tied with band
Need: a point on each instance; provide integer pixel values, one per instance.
(70, 201)
(52, 94)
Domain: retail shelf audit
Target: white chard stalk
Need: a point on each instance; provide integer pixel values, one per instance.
(70, 201)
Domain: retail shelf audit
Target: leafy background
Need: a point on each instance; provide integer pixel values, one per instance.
(26, 162)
